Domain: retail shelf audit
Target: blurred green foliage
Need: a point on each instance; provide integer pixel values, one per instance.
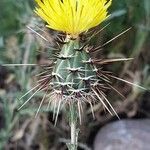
(12, 14)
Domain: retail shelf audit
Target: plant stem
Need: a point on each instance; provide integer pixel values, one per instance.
(73, 123)
(73, 133)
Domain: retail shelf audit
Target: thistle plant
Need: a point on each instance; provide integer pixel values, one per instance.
(75, 78)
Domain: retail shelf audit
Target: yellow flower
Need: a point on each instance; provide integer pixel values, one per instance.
(72, 16)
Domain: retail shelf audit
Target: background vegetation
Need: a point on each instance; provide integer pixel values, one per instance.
(20, 129)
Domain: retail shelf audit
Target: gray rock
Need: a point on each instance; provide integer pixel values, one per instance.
(124, 135)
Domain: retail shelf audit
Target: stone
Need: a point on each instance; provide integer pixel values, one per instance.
(124, 135)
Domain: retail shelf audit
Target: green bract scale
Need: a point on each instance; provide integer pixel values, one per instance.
(74, 72)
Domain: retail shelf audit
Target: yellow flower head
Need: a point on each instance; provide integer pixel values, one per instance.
(72, 16)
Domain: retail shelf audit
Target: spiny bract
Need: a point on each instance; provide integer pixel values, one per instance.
(74, 78)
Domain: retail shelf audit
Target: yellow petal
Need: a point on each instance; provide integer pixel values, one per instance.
(73, 16)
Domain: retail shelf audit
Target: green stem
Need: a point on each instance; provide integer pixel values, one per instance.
(73, 135)
(74, 131)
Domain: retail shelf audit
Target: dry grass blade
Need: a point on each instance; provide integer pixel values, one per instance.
(17, 65)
